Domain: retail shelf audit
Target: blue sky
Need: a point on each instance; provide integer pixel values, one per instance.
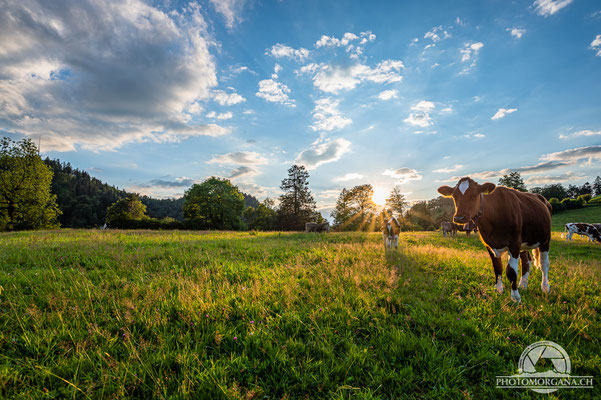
(154, 96)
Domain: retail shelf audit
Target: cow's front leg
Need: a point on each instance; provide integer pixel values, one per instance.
(385, 241)
(498, 268)
(544, 259)
(511, 271)
(526, 260)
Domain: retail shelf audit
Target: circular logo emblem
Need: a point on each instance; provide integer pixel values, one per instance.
(543, 360)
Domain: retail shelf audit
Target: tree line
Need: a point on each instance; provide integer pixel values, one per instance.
(43, 194)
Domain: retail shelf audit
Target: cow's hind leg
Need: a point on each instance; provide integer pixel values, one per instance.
(526, 260)
(498, 268)
(544, 258)
(511, 271)
(536, 254)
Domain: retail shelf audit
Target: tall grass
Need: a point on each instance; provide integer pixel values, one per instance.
(92, 314)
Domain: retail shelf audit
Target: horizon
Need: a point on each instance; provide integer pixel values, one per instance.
(153, 97)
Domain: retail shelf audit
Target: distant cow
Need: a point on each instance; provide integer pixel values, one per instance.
(315, 227)
(467, 228)
(507, 220)
(390, 233)
(448, 228)
(582, 229)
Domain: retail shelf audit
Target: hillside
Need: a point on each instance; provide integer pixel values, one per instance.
(589, 214)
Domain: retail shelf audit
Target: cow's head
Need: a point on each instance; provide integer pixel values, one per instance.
(466, 195)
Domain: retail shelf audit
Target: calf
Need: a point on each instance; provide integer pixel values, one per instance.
(507, 220)
(448, 228)
(581, 229)
(311, 227)
(323, 227)
(390, 233)
(467, 228)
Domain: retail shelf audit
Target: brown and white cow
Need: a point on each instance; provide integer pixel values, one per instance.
(507, 220)
(448, 228)
(390, 233)
(582, 229)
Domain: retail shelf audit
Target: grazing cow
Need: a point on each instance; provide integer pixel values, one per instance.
(581, 229)
(507, 220)
(390, 233)
(448, 228)
(467, 228)
(315, 227)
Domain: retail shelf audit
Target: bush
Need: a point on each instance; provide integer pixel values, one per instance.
(572, 204)
(557, 205)
(595, 200)
(585, 198)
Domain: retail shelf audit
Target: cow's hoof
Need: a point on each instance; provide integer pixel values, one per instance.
(515, 296)
(545, 287)
(523, 283)
(499, 288)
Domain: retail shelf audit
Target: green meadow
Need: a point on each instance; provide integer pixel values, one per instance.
(171, 314)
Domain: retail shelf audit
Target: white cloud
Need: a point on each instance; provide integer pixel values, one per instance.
(470, 52)
(435, 33)
(104, 78)
(230, 9)
(567, 177)
(474, 135)
(275, 92)
(460, 22)
(447, 170)
(221, 116)
(327, 116)
(502, 112)
(348, 41)
(239, 158)
(549, 7)
(596, 45)
(348, 177)
(421, 116)
(323, 151)
(388, 95)
(585, 132)
(332, 79)
(574, 155)
(282, 51)
(227, 99)
(516, 32)
(242, 171)
(404, 174)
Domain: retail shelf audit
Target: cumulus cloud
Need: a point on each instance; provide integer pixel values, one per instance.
(516, 32)
(327, 116)
(447, 170)
(596, 45)
(470, 52)
(275, 92)
(242, 171)
(239, 157)
(227, 99)
(105, 77)
(350, 41)
(421, 115)
(435, 34)
(352, 176)
(229, 9)
(540, 180)
(282, 51)
(388, 95)
(333, 78)
(404, 174)
(549, 7)
(576, 154)
(502, 112)
(585, 132)
(220, 116)
(526, 170)
(323, 151)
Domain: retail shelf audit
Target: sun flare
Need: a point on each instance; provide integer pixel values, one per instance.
(379, 196)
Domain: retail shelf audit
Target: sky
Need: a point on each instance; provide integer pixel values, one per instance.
(154, 96)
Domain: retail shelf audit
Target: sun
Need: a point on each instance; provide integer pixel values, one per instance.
(379, 196)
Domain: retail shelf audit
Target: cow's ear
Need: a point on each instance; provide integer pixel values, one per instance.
(487, 188)
(446, 191)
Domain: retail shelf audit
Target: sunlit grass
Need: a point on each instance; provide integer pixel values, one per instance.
(246, 315)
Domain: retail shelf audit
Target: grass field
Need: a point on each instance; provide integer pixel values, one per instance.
(114, 314)
(589, 214)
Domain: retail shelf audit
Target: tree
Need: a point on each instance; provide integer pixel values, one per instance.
(25, 198)
(586, 188)
(396, 202)
(342, 211)
(297, 205)
(573, 191)
(513, 180)
(597, 186)
(262, 218)
(214, 204)
(355, 209)
(555, 190)
(122, 211)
